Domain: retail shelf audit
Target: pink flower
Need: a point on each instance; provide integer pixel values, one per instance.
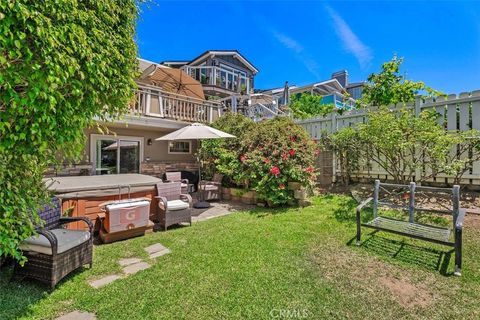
(291, 152)
(281, 186)
(243, 158)
(275, 171)
(310, 169)
(285, 156)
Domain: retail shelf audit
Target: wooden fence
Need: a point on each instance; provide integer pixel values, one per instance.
(460, 112)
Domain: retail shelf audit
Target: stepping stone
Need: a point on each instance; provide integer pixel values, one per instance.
(157, 247)
(78, 315)
(128, 261)
(134, 268)
(159, 253)
(104, 281)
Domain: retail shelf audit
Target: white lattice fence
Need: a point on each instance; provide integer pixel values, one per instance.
(460, 112)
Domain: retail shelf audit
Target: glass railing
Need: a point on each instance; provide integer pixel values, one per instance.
(220, 77)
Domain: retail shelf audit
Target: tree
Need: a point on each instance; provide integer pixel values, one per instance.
(62, 64)
(391, 87)
(306, 106)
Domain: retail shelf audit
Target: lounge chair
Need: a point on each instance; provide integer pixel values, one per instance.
(177, 177)
(174, 206)
(55, 251)
(211, 190)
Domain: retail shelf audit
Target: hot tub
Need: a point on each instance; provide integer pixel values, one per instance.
(84, 194)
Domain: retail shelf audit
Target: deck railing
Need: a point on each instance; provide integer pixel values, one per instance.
(150, 101)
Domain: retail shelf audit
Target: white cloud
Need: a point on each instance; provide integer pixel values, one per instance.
(350, 40)
(300, 52)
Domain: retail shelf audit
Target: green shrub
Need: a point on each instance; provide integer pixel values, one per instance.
(265, 156)
(305, 105)
(223, 155)
(348, 148)
(62, 64)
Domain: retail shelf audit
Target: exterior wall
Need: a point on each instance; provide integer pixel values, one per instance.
(157, 152)
(155, 161)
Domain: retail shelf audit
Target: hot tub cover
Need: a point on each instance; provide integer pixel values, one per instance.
(61, 185)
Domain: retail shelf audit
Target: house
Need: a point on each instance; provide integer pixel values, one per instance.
(128, 145)
(222, 73)
(336, 90)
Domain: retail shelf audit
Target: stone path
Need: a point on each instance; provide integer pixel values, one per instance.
(156, 250)
(104, 281)
(218, 209)
(78, 315)
(130, 266)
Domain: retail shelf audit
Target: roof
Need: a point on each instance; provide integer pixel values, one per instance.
(175, 62)
(235, 53)
(330, 86)
(356, 84)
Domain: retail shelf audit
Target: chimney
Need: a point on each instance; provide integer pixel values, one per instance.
(342, 77)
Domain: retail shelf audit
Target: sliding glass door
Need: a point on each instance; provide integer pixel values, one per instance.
(112, 155)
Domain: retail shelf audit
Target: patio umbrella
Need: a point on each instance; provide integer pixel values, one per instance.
(175, 81)
(196, 131)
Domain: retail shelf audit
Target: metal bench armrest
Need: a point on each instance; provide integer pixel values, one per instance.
(460, 218)
(363, 204)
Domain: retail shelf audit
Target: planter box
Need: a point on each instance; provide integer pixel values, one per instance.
(226, 194)
(294, 185)
(249, 197)
(300, 194)
(236, 194)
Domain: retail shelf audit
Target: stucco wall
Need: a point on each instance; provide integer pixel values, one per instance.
(158, 151)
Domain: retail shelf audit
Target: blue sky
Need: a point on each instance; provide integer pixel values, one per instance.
(304, 42)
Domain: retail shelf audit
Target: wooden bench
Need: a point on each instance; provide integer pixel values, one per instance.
(416, 230)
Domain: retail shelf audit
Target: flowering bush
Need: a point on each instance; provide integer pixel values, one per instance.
(264, 157)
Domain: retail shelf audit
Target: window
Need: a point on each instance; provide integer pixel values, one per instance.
(179, 147)
(114, 154)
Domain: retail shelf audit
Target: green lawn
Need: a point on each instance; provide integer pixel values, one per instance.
(255, 265)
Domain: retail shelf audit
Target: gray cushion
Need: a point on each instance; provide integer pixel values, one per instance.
(66, 239)
(174, 205)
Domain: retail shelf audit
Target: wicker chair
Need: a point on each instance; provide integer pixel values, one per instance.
(211, 190)
(56, 251)
(174, 207)
(177, 177)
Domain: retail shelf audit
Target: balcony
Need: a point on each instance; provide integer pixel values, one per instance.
(152, 102)
(220, 77)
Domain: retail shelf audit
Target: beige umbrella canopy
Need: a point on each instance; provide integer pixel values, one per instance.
(175, 81)
(196, 131)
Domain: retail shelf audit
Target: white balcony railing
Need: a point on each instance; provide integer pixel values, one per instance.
(150, 101)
